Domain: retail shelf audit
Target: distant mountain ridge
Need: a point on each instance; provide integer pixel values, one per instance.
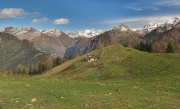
(57, 43)
(161, 36)
(86, 33)
(150, 27)
(117, 35)
(14, 52)
(52, 41)
(52, 32)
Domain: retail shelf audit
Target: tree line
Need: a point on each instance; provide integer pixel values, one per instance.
(147, 47)
(41, 67)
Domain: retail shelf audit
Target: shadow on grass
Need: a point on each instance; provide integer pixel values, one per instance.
(1, 106)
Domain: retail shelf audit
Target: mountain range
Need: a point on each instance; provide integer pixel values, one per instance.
(14, 51)
(151, 26)
(58, 43)
(120, 34)
(86, 33)
(159, 35)
(53, 41)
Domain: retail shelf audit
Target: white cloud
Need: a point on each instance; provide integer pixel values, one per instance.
(42, 20)
(139, 22)
(61, 21)
(169, 3)
(11, 13)
(143, 8)
(135, 9)
(35, 14)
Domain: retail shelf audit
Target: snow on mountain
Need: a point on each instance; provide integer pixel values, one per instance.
(168, 25)
(120, 27)
(31, 33)
(148, 28)
(22, 33)
(173, 21)
(52, 32)
(86, 33)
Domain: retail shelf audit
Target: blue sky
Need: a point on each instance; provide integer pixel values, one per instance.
(75, 15)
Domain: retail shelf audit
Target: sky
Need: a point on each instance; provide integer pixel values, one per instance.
(76, 15)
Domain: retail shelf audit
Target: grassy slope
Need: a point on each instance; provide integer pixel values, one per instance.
(118, 63)
(128, 79)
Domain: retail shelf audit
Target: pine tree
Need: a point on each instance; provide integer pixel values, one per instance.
(148, 47)
(141, 46)
(57, 61)
(30, 70)
(169, 48)
(41, 68)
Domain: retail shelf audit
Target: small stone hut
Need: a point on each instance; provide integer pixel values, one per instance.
(91, 58)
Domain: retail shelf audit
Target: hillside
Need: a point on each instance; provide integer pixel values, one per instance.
(118, 62)
(123, 78)
(14, 51)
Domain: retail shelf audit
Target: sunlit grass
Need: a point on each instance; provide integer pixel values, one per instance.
(123, 78)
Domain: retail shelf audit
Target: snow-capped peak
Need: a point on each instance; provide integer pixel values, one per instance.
(120, 27)
(86, 33)
(148, 28)
(152, 26)
(173, 21)
(168, 25)
(22, 33)
(52, 32)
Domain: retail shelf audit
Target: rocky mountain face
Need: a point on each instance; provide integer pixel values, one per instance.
(14, 51)
(58, 43)
(163, 35)
(120, 34)
(51, 41)
(159, 35)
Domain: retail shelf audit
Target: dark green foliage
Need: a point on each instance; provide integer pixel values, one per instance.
(144, 46)
(169, 48)
(21, 71)
(41, 68)
(57, 61)
(1, 106)
(32, 71)
(65, 58)
(148, 47)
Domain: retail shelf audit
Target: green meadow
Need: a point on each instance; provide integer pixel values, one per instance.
(122, 78)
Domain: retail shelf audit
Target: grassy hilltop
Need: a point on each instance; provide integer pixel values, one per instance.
(122, 78)
(118, 62)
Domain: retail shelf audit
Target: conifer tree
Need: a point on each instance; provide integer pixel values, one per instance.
(141, 46)
(169, 48)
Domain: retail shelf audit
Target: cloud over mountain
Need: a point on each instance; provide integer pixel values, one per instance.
(41, 20)
(61, 21)
(11, 13)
